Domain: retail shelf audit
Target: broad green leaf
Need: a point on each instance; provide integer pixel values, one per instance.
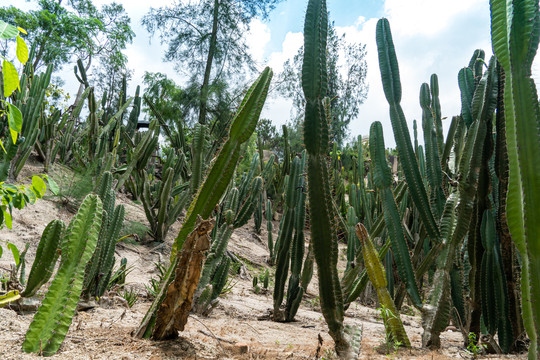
(7, 31)
(10, 188)
(30, 194)
(14, 135)
(39, 186)
(15, 122)
(2, 145)
(7, 218)
(11, 78)
(15, 253)
(9, 297)
(22, 30)
(1, 251)
(22, 50)
(53, 186)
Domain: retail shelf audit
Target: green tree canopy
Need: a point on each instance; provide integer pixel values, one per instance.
(347, 86)
(207, 38)
(61, 32)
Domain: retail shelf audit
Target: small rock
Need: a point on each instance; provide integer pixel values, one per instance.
(241, 348)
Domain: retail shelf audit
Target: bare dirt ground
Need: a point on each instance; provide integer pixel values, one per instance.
(233, 330)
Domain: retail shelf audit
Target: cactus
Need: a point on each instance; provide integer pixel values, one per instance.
(494, 301)
(46, 255)
(284, 240)
(53, 318)
(515, 37)
(216, 182)
(133, 118)
(376, 273)
(383, 180)
(294, 290)
(99, 269)
(352, 240)
(29, 101)
(235, 212)
(269, 228)
(323, 238)
(160, 208)
(258, 213)
(141, 153)
(392, 89)
(197, 152)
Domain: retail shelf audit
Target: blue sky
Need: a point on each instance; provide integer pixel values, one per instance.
(430, 36)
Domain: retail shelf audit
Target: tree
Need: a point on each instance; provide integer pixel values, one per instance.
(173, 103)
(347, 86)
(208, 38)
(79, 30)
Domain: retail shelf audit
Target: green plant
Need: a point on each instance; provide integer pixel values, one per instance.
(290, 243)
(10, 80)
(215, 184)
(53, 318)
(515, 36)
(46, 255)
(473, 348)
(118, 278)
(20, 195)
(390, 344)
(377, 277)
(323, 238)
(130, 295)
(153, 287)
(99, 269)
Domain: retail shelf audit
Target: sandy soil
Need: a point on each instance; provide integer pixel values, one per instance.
(235, 330)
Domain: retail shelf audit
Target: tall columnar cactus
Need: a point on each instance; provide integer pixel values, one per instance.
(133, 118)
(197, 152)
(161, 209)
(392, 218)
(269, 228)
(141, 153)
(323, 236)
(494, 295)
(295, 291)
(515, 37)
(471, 145)
(46, 255)
(53, 318)
(30, 102)
(290, 240)
(353, 243)
(216, 182)
(392, 89)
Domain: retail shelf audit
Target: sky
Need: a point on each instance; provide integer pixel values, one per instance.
(430, 36)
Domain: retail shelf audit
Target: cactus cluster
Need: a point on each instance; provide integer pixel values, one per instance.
(53, 318)
(99, 269)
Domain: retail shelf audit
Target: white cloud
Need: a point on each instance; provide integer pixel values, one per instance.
(257, 39)
(428, 17)
(289, 48)
(430, 37)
